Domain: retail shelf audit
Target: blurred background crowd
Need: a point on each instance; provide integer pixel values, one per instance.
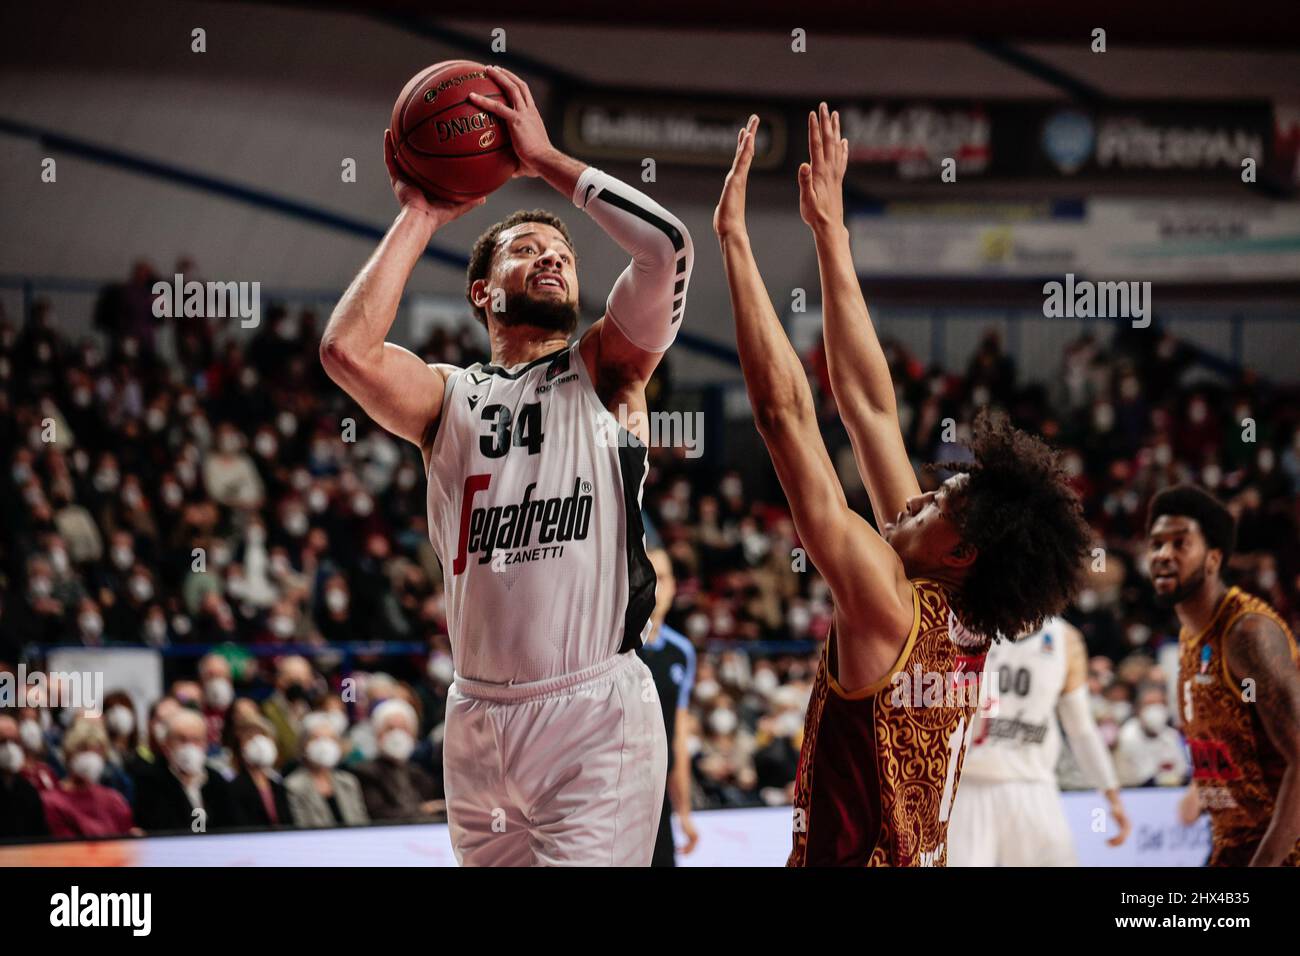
(172, 485)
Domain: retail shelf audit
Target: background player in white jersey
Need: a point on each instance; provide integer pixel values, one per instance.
(1008, 812)
(554, 750)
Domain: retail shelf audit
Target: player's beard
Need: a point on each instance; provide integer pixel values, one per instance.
(1184, 590)
(522, 309)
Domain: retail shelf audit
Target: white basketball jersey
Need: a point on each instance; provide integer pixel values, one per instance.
(535, 513)
(1017, 736)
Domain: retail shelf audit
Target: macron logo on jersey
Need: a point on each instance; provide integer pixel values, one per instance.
(509, 527)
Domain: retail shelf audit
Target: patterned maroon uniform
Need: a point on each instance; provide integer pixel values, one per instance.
(1236, 767)
(879, 767)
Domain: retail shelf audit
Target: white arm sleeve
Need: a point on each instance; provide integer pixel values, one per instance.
(648, 299)
(1085, 741)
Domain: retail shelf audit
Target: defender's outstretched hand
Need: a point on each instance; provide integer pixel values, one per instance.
(410, 196)
(729, 217)
(528, 133)
(821, 179)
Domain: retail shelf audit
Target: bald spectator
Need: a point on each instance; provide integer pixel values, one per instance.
(289, 703)
(80, 806)
(395, 788)
(184, 795)
(320, 794)
(21, 811)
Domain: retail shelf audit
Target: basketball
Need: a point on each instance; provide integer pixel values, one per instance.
(444, 143)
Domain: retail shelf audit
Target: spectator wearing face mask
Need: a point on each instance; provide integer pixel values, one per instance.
(149, 746)
(33, 734)
(229, 474)
(257, 790)
(123, 740)
(80, 806)
(395, 788)
(321, 794)
(171, 798)
(22, 813)
(289, 703)
(1149, 751)
(218, 694)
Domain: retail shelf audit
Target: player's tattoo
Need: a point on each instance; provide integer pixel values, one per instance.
(1258, 650)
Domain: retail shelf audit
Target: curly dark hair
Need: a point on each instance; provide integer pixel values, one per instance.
(480, 258)
(1189, 501)
(1026, 524)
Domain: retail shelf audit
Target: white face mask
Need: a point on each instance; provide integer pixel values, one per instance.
(706, 690)
(723, 722)
(33, 738)
(11, 757)
(789, 724)
(260, 751)
(219, 692)
(440, 669)
(87, 766)
(765, 681)
(120, 720)
(397, 745)
(189, 758)
(339, 721)
(141, 588)
(336, 601)
(323, 752)
(1154, 717)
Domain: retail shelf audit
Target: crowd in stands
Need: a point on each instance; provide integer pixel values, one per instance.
(170, 484)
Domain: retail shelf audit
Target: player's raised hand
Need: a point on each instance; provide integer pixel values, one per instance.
(821, 179)
(729, 217)
(528, 133)
(410, 196)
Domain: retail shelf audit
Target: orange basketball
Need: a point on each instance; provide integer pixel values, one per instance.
(444, 143)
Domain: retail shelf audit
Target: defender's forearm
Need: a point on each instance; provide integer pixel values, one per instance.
(774, 376)
(859, 372)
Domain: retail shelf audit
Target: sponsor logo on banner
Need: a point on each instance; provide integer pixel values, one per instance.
(695, 132)
(1068, 139)
(913, 139)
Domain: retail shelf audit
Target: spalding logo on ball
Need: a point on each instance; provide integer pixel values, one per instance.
(444, 143)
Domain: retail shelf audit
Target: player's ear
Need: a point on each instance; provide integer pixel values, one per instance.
(480, 294)
(1213, 562)
(961, 556)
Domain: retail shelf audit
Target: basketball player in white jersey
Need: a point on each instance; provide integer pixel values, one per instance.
(1008, 811)
(555, 752)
